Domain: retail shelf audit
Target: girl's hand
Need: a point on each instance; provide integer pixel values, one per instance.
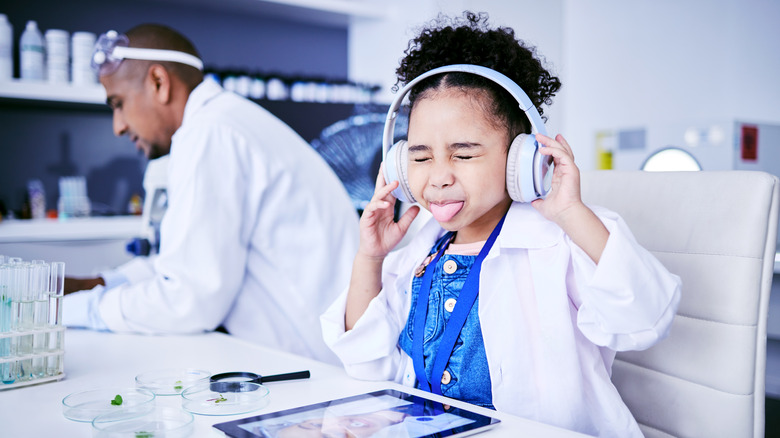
(565, 188)
(564, 205)
(379, 233)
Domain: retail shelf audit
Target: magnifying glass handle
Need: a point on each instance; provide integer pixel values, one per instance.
(286, 376)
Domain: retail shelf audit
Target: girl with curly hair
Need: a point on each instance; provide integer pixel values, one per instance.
(514, 306)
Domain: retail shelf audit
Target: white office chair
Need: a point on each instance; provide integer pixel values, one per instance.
(717, 231)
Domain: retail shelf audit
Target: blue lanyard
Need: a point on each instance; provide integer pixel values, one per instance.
(468, 296)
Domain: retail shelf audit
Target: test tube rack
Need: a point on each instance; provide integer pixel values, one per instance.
(31, 331)
(49, 361)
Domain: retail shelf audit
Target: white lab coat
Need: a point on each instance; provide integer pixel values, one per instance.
(259, 234)
(551, 320)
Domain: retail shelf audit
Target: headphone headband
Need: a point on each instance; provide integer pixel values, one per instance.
(537, 125)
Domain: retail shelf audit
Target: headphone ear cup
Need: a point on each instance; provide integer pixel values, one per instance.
(543, 172)
(395, 167)
(520, 169)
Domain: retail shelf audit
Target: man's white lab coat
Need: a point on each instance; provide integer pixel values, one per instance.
(259, 235)
(551, 320)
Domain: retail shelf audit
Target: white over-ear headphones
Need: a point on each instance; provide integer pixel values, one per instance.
(528, 172)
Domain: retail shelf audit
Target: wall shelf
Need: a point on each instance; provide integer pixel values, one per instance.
(335, 13)
(357, 8)
(59, 93)
(53, 230)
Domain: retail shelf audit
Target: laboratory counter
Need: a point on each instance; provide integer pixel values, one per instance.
(95, 360)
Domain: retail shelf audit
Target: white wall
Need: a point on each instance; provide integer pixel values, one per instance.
(643, 63)
(622, 64)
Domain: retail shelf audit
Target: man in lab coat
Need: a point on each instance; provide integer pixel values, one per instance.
(259, 234)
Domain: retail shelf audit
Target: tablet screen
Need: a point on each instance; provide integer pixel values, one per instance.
(380, 414)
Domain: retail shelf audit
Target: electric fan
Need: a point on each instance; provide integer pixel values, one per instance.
(353, 149)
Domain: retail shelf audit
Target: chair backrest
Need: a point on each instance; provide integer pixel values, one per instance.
(717, 231)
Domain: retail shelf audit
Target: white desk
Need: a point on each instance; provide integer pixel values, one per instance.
(99, 360)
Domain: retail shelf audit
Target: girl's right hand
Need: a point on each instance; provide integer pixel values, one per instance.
(379, 232)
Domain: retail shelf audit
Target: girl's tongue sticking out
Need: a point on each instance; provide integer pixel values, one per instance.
(445, 212)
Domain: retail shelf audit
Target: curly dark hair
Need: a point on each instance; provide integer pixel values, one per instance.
(469, 40)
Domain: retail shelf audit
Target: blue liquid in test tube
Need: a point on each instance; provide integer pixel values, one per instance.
(7, 372)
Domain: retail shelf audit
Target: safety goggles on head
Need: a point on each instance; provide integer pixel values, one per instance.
(111, 49)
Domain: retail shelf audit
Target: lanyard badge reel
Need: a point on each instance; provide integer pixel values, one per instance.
(112, 48)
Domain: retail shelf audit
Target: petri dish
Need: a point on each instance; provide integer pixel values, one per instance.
(170, 381)
(236, 398)
(167, 422)
(85, 406)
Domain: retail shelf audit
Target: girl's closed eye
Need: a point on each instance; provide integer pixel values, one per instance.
(419, 153)
(466, 150)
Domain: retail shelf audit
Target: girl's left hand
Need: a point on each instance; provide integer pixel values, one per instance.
(564, 192)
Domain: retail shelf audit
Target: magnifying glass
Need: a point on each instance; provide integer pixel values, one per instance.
(236, 381)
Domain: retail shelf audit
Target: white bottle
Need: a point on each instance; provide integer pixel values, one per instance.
(6, 49)
(81, 55)
(31, 53)
(57, 55)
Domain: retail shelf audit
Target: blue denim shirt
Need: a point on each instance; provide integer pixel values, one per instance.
(468, 367)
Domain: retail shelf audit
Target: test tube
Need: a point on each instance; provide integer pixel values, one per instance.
(7, 369)
(56, 289)
(5, 303)
(39, 284)
(24, 303)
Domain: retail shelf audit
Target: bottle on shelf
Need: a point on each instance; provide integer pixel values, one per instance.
(257, 88)
(81, 54)
(31, 53)
(57, 55)
(6, 49)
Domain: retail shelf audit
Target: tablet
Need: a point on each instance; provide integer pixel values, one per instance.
(380, 414)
